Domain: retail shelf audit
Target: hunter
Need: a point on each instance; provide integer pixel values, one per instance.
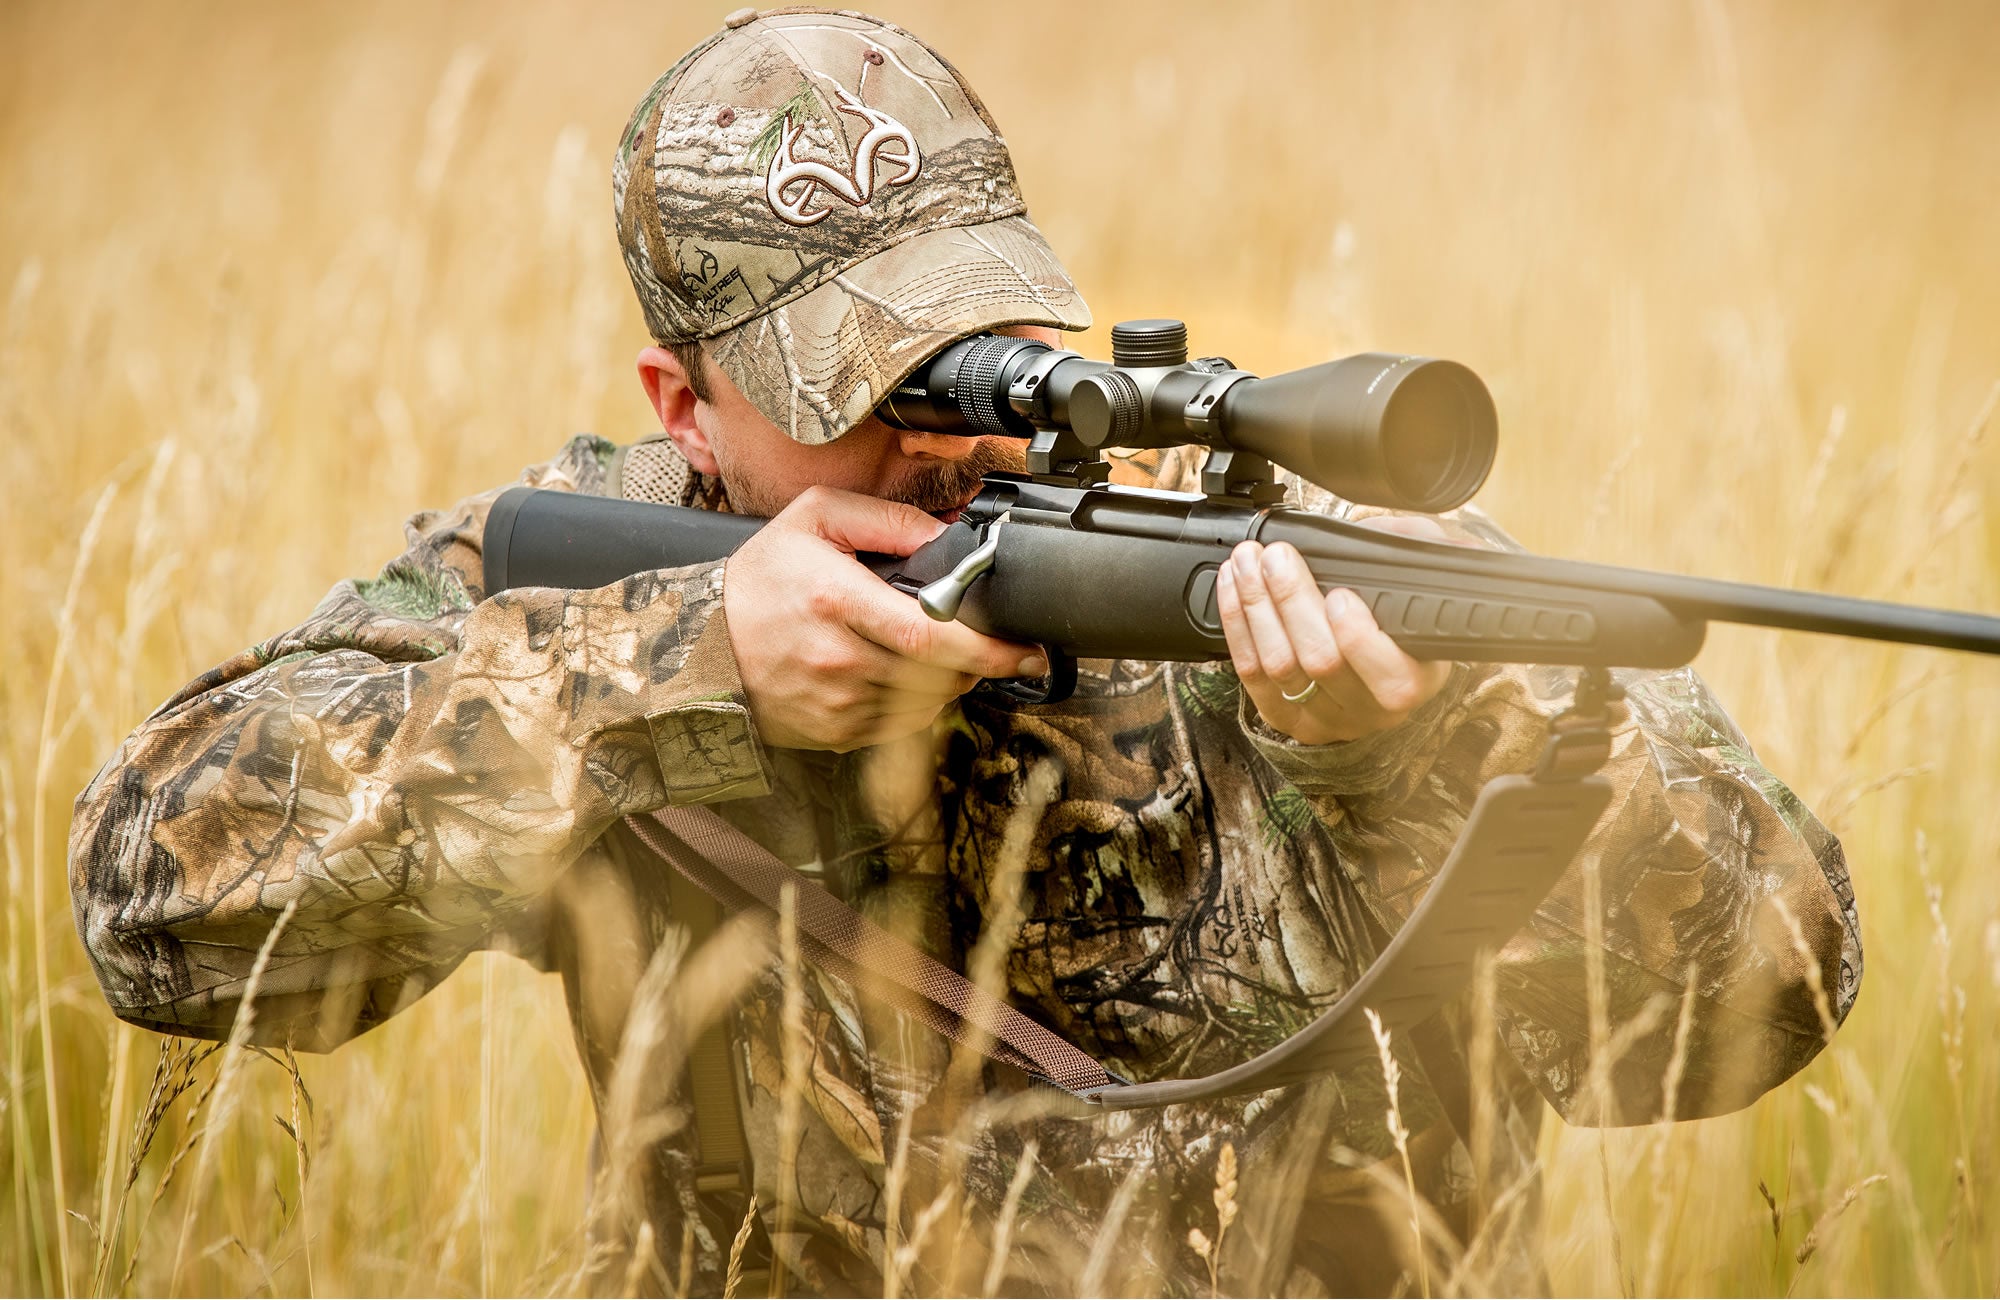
(810, 204)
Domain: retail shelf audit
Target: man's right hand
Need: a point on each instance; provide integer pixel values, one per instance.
(832, 657)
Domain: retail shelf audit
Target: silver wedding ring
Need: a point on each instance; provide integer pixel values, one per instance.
(1302, 696)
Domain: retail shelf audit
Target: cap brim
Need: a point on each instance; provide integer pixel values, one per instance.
(817, 365)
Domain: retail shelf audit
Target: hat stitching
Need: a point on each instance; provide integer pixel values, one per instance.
(890, 55)
(812, 355)
(771, 304)
(1033, 288)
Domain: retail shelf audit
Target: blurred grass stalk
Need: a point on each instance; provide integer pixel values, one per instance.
(282, 276)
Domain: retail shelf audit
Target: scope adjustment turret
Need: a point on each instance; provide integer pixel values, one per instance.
(1107, 410)
(1149, 343)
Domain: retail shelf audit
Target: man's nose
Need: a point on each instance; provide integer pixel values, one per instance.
(916, 443)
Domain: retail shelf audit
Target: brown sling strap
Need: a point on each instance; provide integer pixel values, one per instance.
(738, 873)
(1522, 833)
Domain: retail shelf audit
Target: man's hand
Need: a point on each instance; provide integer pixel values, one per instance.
(1285, 638)
(833, 657)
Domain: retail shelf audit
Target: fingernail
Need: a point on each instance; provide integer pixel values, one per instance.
(1246, 562)
(1343, 603)
(1034, 666)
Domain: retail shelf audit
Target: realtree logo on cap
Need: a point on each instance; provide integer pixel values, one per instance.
(791, 184)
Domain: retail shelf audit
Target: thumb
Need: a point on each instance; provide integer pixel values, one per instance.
(854, 522)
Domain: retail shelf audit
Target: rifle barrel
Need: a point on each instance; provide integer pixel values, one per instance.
(1810, 611)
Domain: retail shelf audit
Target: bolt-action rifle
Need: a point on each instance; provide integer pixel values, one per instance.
(1061, 557)
(1087, 569)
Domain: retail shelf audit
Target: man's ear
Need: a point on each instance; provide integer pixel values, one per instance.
(673, 400)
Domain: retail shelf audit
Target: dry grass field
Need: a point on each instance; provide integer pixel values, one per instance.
(273, 277)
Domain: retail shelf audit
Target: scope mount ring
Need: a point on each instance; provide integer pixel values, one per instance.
(1024, 392)
(1200, 409)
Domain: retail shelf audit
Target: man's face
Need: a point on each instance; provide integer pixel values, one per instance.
(763, 469)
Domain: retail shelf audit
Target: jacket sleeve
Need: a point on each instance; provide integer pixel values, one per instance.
(1702, 856)
(372, 794)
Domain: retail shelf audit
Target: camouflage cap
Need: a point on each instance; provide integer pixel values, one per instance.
(825, 201)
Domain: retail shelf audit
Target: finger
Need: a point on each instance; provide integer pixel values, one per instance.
(1266, 695)
(855, 522)
(1236, 628)
(1267, 627)
(894, 622)
(1303, 611)
(1397, 681)
(854, 660)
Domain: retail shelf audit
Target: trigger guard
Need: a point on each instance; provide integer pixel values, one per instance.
(1052, 687)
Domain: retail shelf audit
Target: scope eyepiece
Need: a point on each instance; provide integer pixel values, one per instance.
(963, 389)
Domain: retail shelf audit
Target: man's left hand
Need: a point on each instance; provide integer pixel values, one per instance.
(1345, 677)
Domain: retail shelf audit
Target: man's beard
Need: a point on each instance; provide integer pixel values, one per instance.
(936, 487)
(940, 488)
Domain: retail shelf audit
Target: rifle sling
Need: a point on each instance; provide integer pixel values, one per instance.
(739, 873)
(1522, 833)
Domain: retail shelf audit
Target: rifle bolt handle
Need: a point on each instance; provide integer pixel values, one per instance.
(941, 599)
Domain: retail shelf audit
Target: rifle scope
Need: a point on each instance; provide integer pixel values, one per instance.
(1409, 433)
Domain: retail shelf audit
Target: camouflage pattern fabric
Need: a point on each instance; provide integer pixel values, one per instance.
(821, 196)
(413, 773)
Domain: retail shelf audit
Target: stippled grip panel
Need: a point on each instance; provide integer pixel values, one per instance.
(1501, 621)
(1484, 621)
(1465, 621)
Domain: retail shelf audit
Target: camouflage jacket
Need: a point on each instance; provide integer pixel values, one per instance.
(415, 772)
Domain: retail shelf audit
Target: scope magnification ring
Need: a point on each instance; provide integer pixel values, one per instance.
(979, 393)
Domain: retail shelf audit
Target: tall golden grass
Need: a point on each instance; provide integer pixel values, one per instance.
(273, 277)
